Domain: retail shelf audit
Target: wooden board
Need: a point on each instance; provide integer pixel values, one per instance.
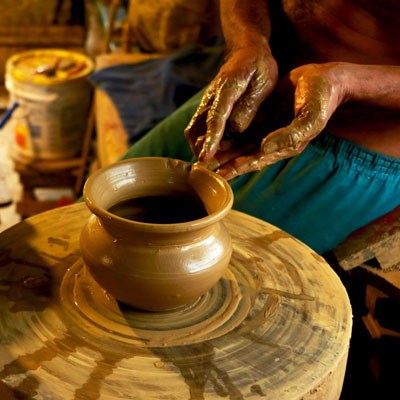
(377, 242)
(276, 326)
(112, 139)
(386, 281)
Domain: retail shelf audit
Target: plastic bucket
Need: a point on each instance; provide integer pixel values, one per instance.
(54, 96)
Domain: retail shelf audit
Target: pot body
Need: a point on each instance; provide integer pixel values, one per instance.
(156, 266)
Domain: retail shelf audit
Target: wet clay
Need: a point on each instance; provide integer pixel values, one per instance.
(277, 325)
(156, 240)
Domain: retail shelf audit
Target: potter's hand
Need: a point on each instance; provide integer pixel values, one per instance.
(318, 91)
(243, 82)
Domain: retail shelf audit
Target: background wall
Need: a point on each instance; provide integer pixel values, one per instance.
(34, 12)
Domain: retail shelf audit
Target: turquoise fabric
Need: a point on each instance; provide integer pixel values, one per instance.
(320, 196)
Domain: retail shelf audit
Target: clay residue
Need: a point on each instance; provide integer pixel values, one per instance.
(59, 242)
(214, 314)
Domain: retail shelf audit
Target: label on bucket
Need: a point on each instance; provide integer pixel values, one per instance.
(49, 131)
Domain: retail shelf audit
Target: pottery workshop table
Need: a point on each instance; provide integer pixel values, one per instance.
(276, 326)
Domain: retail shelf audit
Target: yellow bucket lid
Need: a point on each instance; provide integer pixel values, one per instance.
(48, 66)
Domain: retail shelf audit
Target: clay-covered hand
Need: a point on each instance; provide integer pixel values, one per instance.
(247, 77)
(318, 91)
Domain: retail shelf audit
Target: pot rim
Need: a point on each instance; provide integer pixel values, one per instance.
(209, 219)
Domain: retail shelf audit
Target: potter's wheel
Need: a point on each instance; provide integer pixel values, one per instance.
(216, 313)
(276, 326)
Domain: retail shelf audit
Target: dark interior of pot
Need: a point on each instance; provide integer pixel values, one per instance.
(157, 190)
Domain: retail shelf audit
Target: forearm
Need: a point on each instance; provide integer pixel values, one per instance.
(376, 85)
(245, 23)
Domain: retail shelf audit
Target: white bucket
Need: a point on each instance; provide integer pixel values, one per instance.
(54, 96)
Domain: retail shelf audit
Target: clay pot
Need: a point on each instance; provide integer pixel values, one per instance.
(156, 265)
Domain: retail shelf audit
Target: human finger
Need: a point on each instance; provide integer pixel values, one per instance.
(242, 165)
(283, 143)
(228, 91)
(198, 124)
(248, 104)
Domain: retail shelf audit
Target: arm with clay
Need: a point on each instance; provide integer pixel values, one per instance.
(319, 89)
(247, 77)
